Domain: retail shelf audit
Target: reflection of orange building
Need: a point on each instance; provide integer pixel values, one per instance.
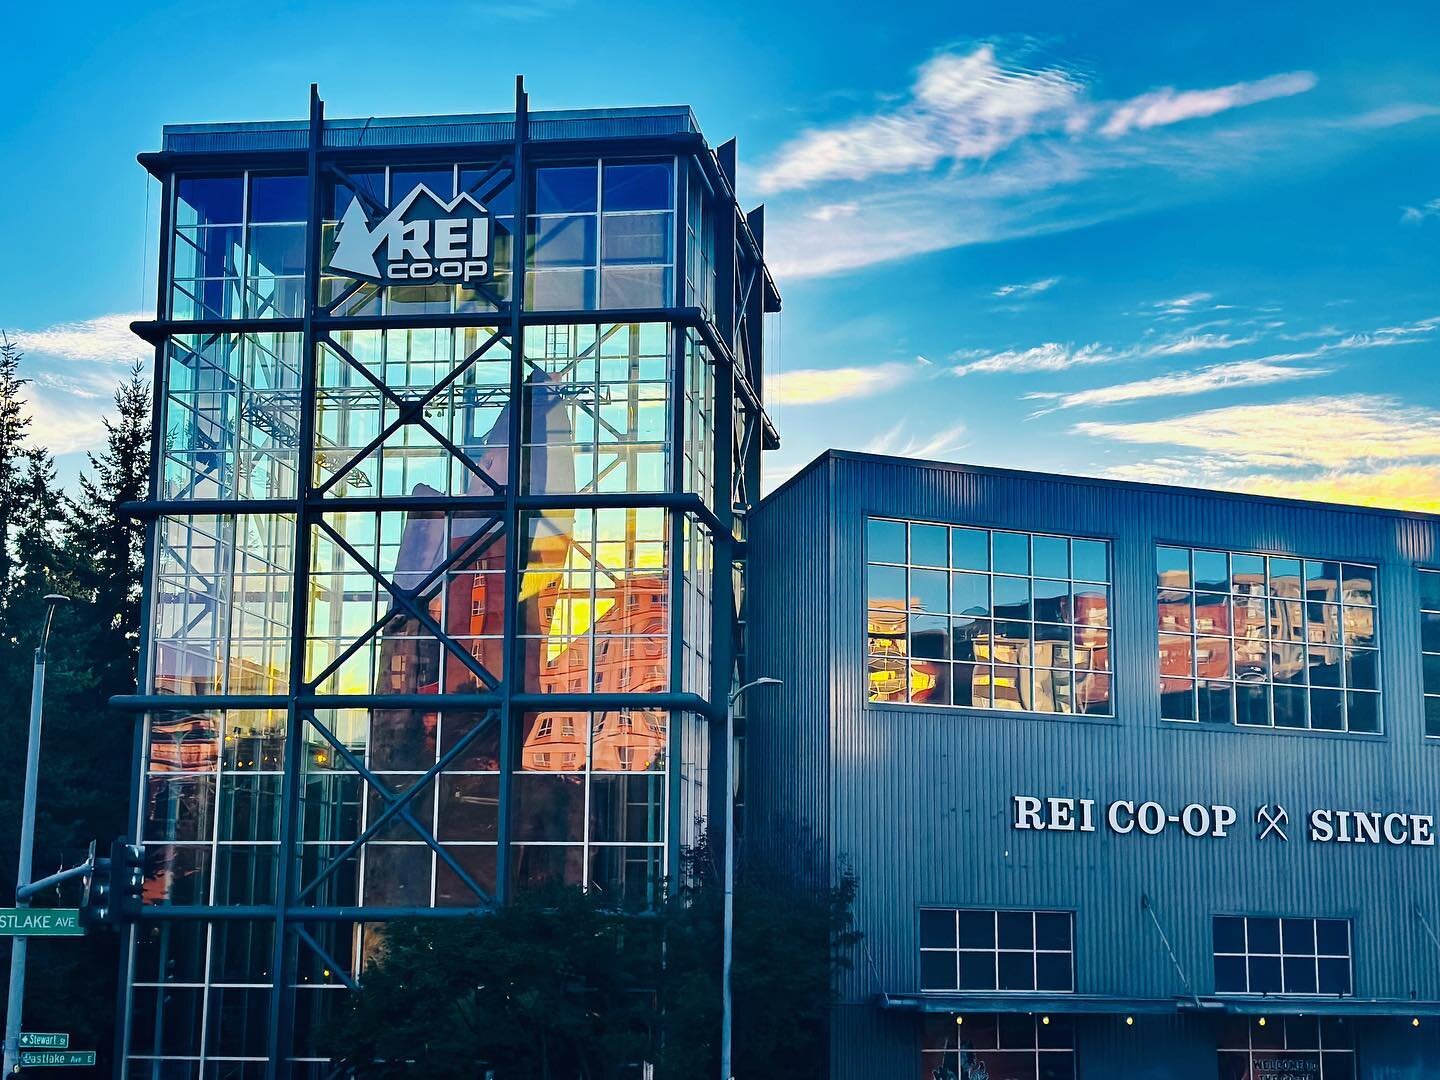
(970, 662)
(631, 655)
(1257, 635)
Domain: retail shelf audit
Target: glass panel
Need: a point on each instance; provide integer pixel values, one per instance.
(209, 200)
(638, 186)
(279, 198)
(885, 540)
(565, 189)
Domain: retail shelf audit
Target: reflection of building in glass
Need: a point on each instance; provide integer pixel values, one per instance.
(446, 589)
(1004, 620)
(1267, 641)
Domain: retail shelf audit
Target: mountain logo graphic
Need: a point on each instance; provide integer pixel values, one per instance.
(423, 240)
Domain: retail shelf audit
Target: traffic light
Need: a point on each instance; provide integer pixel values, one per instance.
(127, 871)
(96, 906)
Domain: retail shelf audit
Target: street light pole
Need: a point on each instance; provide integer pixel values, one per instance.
(18, 945)
(726, 1002)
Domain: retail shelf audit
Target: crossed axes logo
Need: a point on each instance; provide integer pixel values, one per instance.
(1272, 817)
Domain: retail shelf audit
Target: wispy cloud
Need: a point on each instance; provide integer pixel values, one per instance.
(1261, 371)
(1299, 434)
(814, 386)
(1026, 291)
(1053, 356)
(105, 337)
(1159, 108)
(1247, 373)
(983, 147)
(1418, 215)
(1193, 343)
(1393, 115)
(961, 107)
(902, 441)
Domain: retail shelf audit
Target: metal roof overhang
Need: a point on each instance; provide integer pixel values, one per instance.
(1108, 1005)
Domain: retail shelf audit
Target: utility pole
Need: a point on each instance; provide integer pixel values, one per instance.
(726, 1000)
(16, 1002)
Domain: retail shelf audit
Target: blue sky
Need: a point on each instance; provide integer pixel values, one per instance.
(1194, 244)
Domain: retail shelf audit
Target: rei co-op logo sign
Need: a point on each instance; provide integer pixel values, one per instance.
(422, 240)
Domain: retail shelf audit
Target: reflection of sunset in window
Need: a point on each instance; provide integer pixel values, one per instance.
(981, 618)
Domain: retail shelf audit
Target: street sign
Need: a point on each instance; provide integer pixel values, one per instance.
(33, 1058)
(40, 922)
(44, 1040)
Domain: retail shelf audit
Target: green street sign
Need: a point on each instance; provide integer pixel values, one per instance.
(32, 1058)
(40, 922)
(44, 1040)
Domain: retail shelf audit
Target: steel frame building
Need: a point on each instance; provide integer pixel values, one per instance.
(445, 584)
(1073, 736)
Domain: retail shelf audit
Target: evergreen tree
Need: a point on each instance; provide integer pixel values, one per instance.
(111, 544)
(87, 549)
(13, 453)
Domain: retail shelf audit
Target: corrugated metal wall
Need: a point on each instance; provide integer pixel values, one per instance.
(919, 799)
(787, 741)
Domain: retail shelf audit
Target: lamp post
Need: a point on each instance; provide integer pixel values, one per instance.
(27, 839)
(726, 1003)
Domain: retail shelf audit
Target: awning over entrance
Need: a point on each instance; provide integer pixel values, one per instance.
(1107, 1005)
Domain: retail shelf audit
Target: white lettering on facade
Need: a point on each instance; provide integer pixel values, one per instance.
(1123, 817)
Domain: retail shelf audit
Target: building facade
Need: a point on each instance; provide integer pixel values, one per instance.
(458, 420)
(1136, 781)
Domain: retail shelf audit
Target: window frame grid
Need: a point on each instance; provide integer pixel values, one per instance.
(1283, 955)
(1188, 636)
(597, 267)
(1030, 671)
(246, 285)
(1429, 657)
(996, 951)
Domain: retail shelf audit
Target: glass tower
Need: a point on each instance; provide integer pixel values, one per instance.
(445, 579)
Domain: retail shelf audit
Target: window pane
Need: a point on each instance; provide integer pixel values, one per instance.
(279, 198)
(1212, 570)
(1011, 552)
(885, 540)
(1016, 971)
(1052, 556)
(1334, 976)
(1052, 972)
(1430, 590)
(645, 186)
(1332, 937)
(1263, 935)
(563, 241)
(1090, 560)
(1265, 975)
(209, 201)
(1015, 930)
(1230, 974)
(1299, 975)
(927, 545)
(1229, 932)
(977, 929)
(977, 971)
(970, 549)
(938, 971)
(565, 189)
(937, 929)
